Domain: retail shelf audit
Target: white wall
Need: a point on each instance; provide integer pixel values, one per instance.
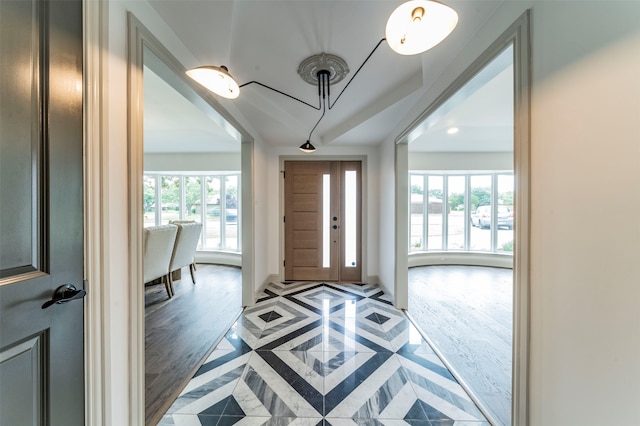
(387, 228)
(585, 187)
(192, 162)
(263, 205)
(585, 147)
(488, 161)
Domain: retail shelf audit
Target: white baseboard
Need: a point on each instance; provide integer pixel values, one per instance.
(219, 258)
(273, 278)
(383, 287)
(453, 258)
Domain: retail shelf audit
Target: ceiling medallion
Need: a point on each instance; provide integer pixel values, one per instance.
(335, 65)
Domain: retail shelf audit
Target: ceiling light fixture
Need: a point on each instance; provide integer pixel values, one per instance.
(412, 28)
(418, 25)
(307, 147)
(216, 79)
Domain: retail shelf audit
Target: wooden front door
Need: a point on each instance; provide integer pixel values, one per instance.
(41, 213)
(322, 221)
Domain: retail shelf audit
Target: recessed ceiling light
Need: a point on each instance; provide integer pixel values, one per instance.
(452, 130)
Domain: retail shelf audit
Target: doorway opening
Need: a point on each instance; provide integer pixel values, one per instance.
(188, 166)
(463, 164)
(466, 223)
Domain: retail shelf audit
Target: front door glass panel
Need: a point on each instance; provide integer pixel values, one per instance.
(326, 220)
(350, 218)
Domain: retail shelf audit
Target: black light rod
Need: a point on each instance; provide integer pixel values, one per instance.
(324, 110)
(318, 108)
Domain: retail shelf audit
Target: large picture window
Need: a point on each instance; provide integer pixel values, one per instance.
(212, 199)
(461, 212)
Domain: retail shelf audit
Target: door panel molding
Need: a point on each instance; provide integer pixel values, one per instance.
(16, 278)
(26, 394)
(24, 240)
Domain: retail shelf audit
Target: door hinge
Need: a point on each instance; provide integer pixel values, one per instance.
(284, 218)
(284, 263)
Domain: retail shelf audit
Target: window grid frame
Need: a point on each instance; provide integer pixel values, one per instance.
(157, 177)
(494, 196)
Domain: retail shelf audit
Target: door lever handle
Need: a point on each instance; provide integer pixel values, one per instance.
(63, 294)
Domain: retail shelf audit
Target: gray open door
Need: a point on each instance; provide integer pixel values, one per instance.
(41, 213)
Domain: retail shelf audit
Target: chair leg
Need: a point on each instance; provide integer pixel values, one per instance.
(192, 269)
(167, 286)
(171, 283)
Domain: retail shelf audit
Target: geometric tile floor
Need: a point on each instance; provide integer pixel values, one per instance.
(311, 353)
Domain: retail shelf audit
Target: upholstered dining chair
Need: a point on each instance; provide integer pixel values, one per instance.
(159, 242)
(184, 249)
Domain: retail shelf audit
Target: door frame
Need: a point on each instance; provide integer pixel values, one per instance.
(97, 370)
(364, 200)
(100, 370)
(519, 35)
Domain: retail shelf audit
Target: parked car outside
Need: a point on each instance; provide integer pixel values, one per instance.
(231, 215)
(482, 217)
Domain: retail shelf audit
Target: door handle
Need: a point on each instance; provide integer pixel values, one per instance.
(335, 226)
(63, 294)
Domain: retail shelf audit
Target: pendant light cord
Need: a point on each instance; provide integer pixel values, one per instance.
(324, 110)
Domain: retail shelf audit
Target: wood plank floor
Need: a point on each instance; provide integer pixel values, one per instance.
(180, 332)
(466, 311)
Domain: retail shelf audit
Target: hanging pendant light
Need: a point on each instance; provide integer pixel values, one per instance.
(418, 25)
(307, 147)
(216, 79)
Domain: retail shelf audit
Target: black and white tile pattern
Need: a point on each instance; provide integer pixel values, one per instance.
(323, 354)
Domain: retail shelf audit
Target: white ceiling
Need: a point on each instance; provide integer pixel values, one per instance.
(265, 40)
(172, 123)
(481, 111)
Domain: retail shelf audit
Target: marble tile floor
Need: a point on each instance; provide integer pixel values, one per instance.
(323, 354)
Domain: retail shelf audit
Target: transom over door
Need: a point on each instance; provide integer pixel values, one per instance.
(322, 220)
(41, 213)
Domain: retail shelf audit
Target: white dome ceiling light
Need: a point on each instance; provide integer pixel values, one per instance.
(418, 25)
